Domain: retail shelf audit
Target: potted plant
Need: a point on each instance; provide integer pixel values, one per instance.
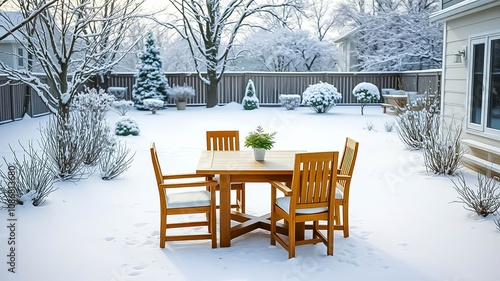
(260, 141)
(180, 94)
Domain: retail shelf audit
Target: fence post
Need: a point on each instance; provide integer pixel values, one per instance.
(12, 107)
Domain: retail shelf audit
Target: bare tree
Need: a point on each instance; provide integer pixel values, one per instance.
(350, 14)
(71, 41)
(286, 50)
(205, 24)
(291, 17)
(321, 17)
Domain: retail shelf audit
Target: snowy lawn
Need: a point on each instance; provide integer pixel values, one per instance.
(403, 226)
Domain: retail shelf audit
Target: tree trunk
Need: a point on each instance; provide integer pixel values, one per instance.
(211, 95)
(103, 80)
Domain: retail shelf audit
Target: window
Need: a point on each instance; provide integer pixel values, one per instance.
(484, 84)
(20, 58)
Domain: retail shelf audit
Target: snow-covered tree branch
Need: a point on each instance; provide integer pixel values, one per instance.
(399, 41)
(70, 41)
(26, 20)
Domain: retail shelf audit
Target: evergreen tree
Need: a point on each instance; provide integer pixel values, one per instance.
(151, 82)
(250, 100)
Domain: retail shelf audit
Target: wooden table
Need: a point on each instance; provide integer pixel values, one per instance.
(240, 166)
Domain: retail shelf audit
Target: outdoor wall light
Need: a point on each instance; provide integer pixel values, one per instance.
(460, 56)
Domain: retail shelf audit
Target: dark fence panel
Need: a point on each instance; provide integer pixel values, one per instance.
(268, 85)
(12, 101)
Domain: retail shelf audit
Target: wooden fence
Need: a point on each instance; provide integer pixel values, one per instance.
(17, 100)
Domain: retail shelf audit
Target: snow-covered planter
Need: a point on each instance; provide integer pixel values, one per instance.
(181, 93)
(250, 100)
(153, 104)
(126, 126)
(122, 106)
(320, 97)
(366, 92)
(289, 102)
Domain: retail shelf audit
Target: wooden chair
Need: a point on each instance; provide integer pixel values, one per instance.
(185, 202)
(228, 141)
(310, 197)
(343, 186)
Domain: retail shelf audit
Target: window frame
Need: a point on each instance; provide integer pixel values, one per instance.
(486, 39)
(20, 58)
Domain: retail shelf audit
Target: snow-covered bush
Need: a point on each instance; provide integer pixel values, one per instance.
(320, 97)
(181, 93)
(91, 108)
(366, 92)
(27, 179)
(485, 200)
(126, 126)
(442, 152)
(153, 104)
(289, 102)
(93, 100)
(114, 161)
(250, 100)
(66, 143)
(414, 126)
(151, 81)
(122, 106)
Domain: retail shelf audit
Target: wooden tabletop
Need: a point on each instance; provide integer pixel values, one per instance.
(243, 162)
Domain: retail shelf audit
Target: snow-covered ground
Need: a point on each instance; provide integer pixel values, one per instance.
(403, 226)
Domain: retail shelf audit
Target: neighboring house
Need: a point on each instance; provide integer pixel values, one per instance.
(12, 53)
(347, 52)
(471, 77)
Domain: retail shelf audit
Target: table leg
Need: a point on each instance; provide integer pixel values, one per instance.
(225, 211)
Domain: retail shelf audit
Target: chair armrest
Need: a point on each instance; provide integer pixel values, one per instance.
(343, 177)
(283, 188)
(185, 176)
(189, 184)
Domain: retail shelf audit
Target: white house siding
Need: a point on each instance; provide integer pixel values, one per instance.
(6, 54)
(455, 75)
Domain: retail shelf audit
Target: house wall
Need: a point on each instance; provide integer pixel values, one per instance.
(455, 75)
(6, 54)
(457, 32)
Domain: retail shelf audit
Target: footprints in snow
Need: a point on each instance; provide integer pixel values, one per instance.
(140, 239)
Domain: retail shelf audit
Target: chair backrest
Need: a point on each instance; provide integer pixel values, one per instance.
(223, 140)
(348, 161)
(313, 180)
(156, 164)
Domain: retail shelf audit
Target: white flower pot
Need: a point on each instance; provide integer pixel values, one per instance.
(181, 105)
(259, 154)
